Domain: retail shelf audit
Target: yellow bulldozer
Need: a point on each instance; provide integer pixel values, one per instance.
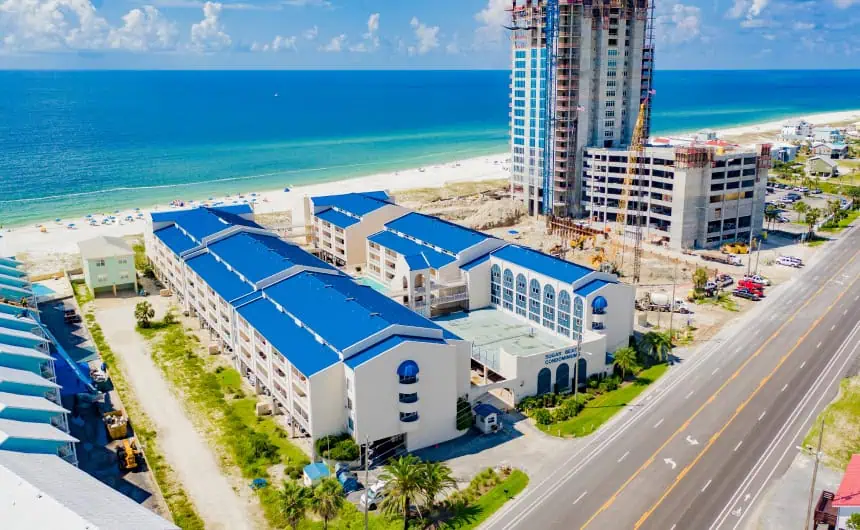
(129, 457)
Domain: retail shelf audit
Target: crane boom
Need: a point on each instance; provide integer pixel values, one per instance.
(635, 162)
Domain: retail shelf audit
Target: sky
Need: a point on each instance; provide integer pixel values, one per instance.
(398, 34)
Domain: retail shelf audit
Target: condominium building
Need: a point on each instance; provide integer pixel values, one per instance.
(590, 85)
(689, 197)
(334, 355)
(333, 220)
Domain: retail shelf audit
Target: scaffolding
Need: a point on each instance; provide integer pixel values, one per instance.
(693, 157)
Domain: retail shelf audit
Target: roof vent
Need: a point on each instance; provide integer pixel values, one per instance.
(326, 286)
(375, 314)
(350, 299)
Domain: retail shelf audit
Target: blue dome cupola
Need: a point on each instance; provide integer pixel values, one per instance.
(408, 369)
(407, 372)
(599, 305)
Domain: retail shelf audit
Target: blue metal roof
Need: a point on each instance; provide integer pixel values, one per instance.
(592, 286)
(11, 271)
(407, 247)
(541, 263)
(383, 346)
(202, 222)
(417, 262)
(485, 409)
(296, 344)
(227, 284)
(258, 256)
(338, 219)
(359, 204)
(235, 209)
(340, 310)
(317, 471)
(437, 232)
(175, 239)
(9, 262)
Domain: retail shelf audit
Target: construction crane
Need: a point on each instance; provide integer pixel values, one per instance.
(635, 163)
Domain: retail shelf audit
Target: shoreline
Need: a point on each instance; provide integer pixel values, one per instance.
(58, 239)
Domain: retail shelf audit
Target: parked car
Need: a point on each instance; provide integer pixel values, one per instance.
(816, 191)
(373, 496)
(793, 196)
(783, 219)
(757, 279)
(744, 293)
(724, 280)
(788, 262)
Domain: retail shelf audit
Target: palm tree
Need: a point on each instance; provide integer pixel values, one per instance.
(771, 214)
(854, 193)
(834, 209)
(812, 217)
(625, 360)
(403, 484)
(436, 478)
(328, 500)
(293, 501)
(143, 313)
(656, 345)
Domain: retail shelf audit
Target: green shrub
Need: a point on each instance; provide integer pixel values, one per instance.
(464, 414)
(542, 417)
(592, 383)
(337, 447)
(611, 384)
(560, 414)
(573, 407)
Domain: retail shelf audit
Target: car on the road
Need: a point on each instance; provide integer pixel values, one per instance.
(745, 293)
(793, 196)
(816, 191)
(783, 219)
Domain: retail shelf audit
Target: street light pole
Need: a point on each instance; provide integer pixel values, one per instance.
(366, 479)
(672, 302)
(814, 475)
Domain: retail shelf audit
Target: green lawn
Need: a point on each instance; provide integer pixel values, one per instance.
(600, 409)
(490, 502)
(841, 433)
(843, 224)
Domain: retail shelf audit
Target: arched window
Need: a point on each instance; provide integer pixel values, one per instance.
(534, 301)
(564, 313)
(549, 306)
(496, 285)
(508, 290)
(599, 305)
(577, 317)
(521, 295)
(408, 372)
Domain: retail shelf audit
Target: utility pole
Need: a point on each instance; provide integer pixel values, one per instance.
(578, 353)
(672, 307)
(757, 255)
(814, 475)
(366, 479)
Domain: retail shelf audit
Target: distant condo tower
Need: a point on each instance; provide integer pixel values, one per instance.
(580, 70)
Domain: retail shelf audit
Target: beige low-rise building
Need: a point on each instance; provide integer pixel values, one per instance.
(108, 264)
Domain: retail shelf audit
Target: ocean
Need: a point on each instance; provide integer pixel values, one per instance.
(82, 142)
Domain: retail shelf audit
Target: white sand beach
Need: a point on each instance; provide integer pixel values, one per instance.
(825, 118)
(58, 239)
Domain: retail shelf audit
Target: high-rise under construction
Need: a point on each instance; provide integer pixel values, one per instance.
(580, 69)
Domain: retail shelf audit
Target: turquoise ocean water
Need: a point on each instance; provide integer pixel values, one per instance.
(73, 143)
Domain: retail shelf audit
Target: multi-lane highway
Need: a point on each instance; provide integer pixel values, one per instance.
(697, 451)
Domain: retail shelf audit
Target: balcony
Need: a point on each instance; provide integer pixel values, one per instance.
(409, 421)
(825, 512)
(67, 453)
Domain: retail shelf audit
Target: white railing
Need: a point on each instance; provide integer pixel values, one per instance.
(489, 358)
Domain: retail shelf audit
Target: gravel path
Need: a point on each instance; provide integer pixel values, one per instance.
(183, 447)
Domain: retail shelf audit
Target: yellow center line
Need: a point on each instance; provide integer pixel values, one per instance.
(710, 400)
(743, 405)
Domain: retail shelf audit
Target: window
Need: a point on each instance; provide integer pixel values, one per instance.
(122, 261)
(508, 291)
(611, 73)
(577, 317)
(407, 398)
(496, 285)
(610, 103)
(612, 53)
(534, 300)
(610, 94)
(611, 63)
(123, 275)
(408, 417)
(608, 134)
(100, 263)
(609, 123)
(610, 113)
(564, 313)
(101, 277)
(549, 307)
(521, 295)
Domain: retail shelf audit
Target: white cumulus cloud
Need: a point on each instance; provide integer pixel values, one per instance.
(209, 34)
(492, 20)
(748, 9)
(676, 23)
(371, 38)
(311, 33)
(144, 29)
(278, 44)
(427, 37)
(842, 4)
(335, 44)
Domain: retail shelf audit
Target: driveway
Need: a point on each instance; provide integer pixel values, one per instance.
(186, 450)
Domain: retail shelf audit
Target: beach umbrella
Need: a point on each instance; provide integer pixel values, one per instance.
(513, 232)
(89, 215)
(57, 220)
(253, 195)
(116, 211)
(286, 190)
(137, 209)
(211, 198)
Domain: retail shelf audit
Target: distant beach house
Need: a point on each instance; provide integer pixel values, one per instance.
(830, 135)
(108, 264)
(784, 153)
(819, 166)
(796, 131)
(829, 150)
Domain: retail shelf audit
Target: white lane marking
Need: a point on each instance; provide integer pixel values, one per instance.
(762, 415)
(670, 462)
(738, 350)
(803, 364)
(580, 497)
(845, 312)
(690, 394)
(819, 345)
(706, 486)
(738, 446)
(658, 423)
(832, 327)
(692, 441)
(623, 456)
(784, 387)
(717, 369)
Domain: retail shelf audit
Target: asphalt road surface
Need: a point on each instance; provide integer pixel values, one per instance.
(698, 450)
